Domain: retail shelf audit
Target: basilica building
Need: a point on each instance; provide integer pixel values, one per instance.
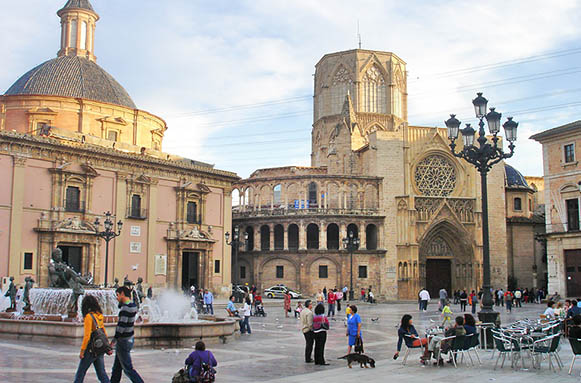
(415, 208)
(73, 146)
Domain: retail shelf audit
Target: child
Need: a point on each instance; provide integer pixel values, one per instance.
(446, 315)
(298, 310)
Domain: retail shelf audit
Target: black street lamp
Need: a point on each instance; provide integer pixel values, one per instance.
(351, 243)
(108, 234)
(483, 157)
(235, 243)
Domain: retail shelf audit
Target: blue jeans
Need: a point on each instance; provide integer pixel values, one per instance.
(123, 362)
(331, 309)
(99, 364)
(245, 326)
(209, 308)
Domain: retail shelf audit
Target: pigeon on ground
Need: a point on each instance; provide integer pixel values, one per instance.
(374, 319)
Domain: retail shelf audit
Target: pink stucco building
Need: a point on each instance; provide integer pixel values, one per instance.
(73, 146)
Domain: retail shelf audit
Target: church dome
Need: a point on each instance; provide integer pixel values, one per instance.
(72, 76)
(514, 179)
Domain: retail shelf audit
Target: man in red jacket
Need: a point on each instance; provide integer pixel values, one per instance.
(331, 299)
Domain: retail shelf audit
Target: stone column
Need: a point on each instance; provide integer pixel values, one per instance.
(116, 264)
(302, 236)
(271, 241)
(362, 236)
(152, 237)
(15, 230)
(323, 236)
(285, 245)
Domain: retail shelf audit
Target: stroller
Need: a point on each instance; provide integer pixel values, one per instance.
(259, 310)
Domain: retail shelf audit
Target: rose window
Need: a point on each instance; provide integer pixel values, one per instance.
(435, 176)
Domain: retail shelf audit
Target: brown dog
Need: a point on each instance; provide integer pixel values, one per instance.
(363, 360)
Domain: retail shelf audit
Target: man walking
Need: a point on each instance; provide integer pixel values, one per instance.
(424, 298)
(209, 302)
(517, 298)
(123, 341)
(443, 298)
(307, 328)
(345, 289)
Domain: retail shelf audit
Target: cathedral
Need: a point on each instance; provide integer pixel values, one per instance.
(414, 208)
(74, 147)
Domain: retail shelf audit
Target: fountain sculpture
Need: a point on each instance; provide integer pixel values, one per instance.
(53, 313)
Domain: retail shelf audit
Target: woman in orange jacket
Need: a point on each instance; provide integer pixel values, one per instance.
(92, 315)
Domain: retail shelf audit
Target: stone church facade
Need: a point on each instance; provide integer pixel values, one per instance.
(415, 208)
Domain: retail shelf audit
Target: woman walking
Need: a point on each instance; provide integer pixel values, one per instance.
(245, 325)
(287, 303)
(320, 327)
(473, 301)
(93, 319)
(353, 327)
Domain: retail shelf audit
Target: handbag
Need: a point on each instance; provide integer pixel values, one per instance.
(359, 345)
(98, 343)
(182, 376)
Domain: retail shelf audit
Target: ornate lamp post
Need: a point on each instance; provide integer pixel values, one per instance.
(108, 234)
(483, 156)
(351, 243)
(235, 243)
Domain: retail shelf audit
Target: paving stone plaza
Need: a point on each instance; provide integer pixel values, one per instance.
(274, 353)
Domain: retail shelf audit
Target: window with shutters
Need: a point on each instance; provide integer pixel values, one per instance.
(73, 199)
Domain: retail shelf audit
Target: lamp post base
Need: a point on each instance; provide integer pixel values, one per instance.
(489, 316)
(351, 294)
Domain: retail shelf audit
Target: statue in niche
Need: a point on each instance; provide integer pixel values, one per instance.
(334, 134)
(29, 283)
(11, 294)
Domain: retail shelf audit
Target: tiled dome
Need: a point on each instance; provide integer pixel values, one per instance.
(72, 76)
(82, 4)
(513, 178)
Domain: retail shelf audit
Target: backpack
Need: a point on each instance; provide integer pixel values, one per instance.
(182, 376)
(207, 372)
(98, 344)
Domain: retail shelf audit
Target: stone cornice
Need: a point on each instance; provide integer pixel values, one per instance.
(49, 148)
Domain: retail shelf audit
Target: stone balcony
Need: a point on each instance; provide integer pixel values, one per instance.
(282, 212)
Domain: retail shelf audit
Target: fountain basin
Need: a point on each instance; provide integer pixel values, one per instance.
(153, 335)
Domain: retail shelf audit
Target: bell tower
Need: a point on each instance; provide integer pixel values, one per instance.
(357, 92)
(78, 19)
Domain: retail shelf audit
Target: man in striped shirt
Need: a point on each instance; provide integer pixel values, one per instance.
(123, 341)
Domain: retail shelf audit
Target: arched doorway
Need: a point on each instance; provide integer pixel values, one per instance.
(312, 236)
(447, 259)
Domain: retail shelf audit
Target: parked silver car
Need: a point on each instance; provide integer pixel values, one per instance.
(278, 291)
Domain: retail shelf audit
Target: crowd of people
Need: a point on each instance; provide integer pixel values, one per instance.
(509, 299)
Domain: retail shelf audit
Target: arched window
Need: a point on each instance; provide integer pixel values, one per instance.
(278, 237)
(353, 197)
(73, 36)
(312, 236)
(84, 35)
(250, 241)
(517, 204)
(374, 96)
(333, 196)
(293, 237)
(313, 195)
(340, 85)
(354, 229)
(370, 197)
(235, 198)
(264, 238)
(277, 190)
(333, 237)
(371, 235)
(293, 196)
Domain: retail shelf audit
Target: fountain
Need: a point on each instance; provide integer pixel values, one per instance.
(51, 314)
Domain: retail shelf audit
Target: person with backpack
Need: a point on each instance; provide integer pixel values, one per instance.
(201, 363)
(90, 353)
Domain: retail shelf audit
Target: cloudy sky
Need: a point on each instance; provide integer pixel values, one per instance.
(233, 79)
